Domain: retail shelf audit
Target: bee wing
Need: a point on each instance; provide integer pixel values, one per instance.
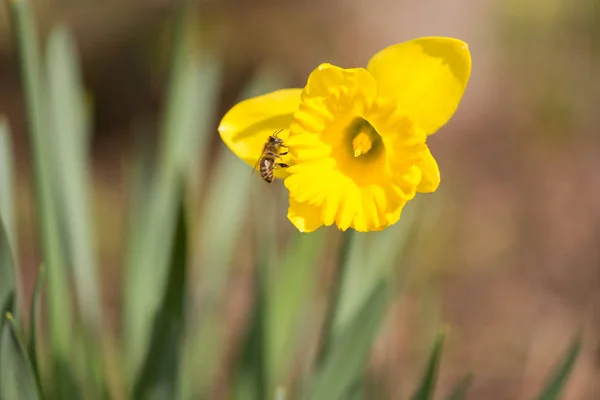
(259, 158)
(256, 165)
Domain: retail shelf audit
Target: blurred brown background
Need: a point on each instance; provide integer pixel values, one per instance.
(515, 256)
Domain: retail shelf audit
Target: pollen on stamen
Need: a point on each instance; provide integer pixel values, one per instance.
(361, 144)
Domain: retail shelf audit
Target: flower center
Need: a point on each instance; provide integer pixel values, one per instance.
(364, 137)
(361, 143)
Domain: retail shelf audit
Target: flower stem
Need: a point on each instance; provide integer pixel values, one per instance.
(336, 290)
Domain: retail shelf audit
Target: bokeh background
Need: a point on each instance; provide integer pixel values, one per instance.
(509, 257)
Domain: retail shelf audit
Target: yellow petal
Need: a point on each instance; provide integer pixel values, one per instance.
(430, 174)
(247, 126)
(306, 218)
(427, 76)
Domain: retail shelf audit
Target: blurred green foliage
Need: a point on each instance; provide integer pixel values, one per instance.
(172, 342)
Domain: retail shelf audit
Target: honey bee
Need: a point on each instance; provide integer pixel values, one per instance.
(268, 159)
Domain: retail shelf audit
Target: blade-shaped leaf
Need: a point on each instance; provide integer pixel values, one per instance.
(229, 190)
(287, 302)
(67, 116)
(557, 382)
(158, 378)
(34, 318)
(8, 285)
(17, 379)
(45, 172)
(347, 356)
(7, 189)
(426, 388)
(252, 382)
(189, 107)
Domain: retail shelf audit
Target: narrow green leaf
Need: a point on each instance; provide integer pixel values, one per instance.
(17, 379)
(230, 189)
(34, 318)
(65, 94)
(45, 172)
(158, 378)
(460, 390)
(245, 384)
(347, 356)
(67, 118)
(190, 105)
(251, 381)
(7, 189)
(426, 388)
(8, 285)
(557, 382)
(203, 350)
(288, 300)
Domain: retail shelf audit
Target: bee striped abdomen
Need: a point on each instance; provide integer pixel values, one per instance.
(266, 169)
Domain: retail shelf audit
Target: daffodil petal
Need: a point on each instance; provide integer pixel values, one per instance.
(426, 76)
(430, 173)
(304, 217)
(247, 126)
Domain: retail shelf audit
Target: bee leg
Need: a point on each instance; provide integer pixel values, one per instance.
(283, 154)
(280, 165)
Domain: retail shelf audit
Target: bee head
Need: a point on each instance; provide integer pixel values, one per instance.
(275, 140)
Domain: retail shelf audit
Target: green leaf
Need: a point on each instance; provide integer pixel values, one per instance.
(158, 378)
(280, 309)
(34, 318)
(190, 105)
(204, 346)
(17, 379)
(460, 390)
(557, 382)
(217, 240)
(288, 299)
(251, 380)
(426, 388)
(67, 115)
(231, 190)
(7, 189)
(8, 285)
(347, 356)
(45, 174)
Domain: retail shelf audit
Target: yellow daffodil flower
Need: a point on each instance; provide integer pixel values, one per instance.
(357, 137)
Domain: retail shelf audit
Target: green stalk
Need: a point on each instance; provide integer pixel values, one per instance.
(328, 332)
